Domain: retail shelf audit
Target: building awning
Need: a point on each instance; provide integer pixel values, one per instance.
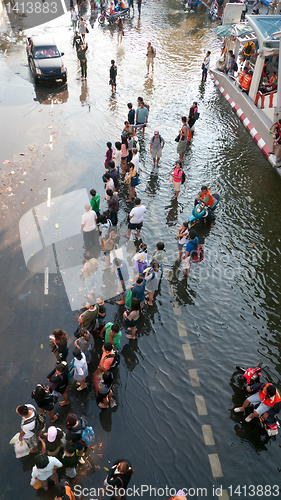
(264, 27)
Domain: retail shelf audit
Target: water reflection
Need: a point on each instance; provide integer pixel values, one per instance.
(84, 96)
(49, 95)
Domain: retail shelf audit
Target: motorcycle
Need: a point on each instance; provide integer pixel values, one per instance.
(201, 212)
(111, 18)
(253, 376)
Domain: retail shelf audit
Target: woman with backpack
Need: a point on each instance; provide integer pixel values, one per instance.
(190, 247)
(45, 401)
(152, 276)
(182, 138)
(105, 390)
(75, 426)
(132, 317)
(119, 476)
(177, 177)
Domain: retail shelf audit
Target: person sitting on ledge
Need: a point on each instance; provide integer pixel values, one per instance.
(271, 85)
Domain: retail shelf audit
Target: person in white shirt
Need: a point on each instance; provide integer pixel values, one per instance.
(74, 17)
(28, 423)
(206, 65)
(117, 156)
(89, 227)
(136, 159)
(109, 185)
(45, 468)
(80, 369)
(136, 219)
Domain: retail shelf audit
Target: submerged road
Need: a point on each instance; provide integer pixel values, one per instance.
(177, 384)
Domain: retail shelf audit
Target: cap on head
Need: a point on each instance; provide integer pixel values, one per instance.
(156, 132)
(52, 434)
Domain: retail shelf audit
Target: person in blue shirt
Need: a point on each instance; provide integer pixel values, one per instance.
(138, 291)
(190, 246)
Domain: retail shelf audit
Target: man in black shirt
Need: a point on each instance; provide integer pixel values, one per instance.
(112, 75)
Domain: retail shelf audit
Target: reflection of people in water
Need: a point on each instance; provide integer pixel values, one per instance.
(84, 93)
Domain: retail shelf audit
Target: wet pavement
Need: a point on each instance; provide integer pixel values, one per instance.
(179, 375)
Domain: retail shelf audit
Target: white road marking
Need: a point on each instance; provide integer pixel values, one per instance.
(187, 352)
(177, 308)
(215, 465)
(49, 197)
(181, 329)
(208, 435)
(64, 7)
(46, 281)
(194, 379)
(201, 407)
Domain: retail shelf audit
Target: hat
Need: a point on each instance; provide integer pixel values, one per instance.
(52, 434)
(156, 132)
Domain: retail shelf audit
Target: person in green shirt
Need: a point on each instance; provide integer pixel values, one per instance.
(95, 201)
(112, 334)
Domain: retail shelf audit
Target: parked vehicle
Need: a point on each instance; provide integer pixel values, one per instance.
(44, 59)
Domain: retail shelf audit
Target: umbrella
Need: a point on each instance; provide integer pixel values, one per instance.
(233, 30)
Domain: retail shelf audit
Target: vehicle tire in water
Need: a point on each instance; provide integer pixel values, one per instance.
(101, 19)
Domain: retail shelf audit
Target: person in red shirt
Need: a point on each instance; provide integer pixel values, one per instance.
(104, 365)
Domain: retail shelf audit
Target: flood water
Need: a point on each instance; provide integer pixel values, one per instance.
(230, 303)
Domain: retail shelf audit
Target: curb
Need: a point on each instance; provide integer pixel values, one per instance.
(246, 122)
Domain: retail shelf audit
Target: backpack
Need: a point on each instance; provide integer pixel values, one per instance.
(69, 495)
(197, 255)
(39, 419)
(183, 177)
(196, 116)
(116, 357)
(88, 435)
(128, 299)
(235, 67)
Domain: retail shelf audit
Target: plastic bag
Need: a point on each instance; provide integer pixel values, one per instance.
(21, 449)
(36, 483)
(128, 299)
(88, 435)
(15, 438)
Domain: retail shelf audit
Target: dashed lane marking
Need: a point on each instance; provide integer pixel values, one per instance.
(46, 281)
(208, 435)
(181, 329)
(201, 406)
(176, 308)
(194, 379)
(187, 352)
(49, 197)
(215, 465)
